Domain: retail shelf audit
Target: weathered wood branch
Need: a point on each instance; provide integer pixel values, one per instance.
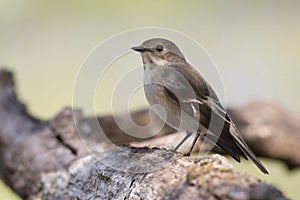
(47, 160)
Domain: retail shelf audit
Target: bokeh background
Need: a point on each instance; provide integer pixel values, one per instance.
(255, 45)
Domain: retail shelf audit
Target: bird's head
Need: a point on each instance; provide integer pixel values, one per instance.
(159, 51)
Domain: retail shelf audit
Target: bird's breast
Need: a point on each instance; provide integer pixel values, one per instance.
(153, 85)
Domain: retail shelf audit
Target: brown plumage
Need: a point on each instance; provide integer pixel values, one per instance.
(189, 102)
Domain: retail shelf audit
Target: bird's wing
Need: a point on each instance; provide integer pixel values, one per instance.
(214, 114)
(192, 89)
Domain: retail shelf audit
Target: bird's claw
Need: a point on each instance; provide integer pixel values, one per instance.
(187, 154)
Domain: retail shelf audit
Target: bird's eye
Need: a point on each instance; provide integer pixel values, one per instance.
(159, 48)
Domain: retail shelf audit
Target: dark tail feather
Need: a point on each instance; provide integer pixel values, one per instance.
(235, 147)
(248, 152)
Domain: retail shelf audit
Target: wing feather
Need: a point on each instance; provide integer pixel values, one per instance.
(204, 97)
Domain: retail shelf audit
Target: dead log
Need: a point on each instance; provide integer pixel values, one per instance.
(46, 160)
(143, 173)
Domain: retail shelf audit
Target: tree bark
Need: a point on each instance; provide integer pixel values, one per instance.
(47, 160)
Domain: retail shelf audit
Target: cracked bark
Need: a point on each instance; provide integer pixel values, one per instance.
(47, 160)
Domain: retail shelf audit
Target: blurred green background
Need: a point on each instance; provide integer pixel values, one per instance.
(255, 45)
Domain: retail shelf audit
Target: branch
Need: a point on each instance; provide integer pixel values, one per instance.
(46, 160)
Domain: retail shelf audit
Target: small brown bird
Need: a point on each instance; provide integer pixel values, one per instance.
(189, 102)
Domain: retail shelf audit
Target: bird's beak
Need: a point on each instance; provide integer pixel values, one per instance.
(141, 49)
(138, 48)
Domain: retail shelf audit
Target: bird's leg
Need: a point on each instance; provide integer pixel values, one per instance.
(193, 144)
(183, 140)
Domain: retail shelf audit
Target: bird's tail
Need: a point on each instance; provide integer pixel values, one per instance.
(248, 152)
(233, 144)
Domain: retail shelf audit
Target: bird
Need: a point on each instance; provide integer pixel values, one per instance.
(188, 100)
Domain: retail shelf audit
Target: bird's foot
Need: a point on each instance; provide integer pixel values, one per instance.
(174, 151)
(188, 154)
